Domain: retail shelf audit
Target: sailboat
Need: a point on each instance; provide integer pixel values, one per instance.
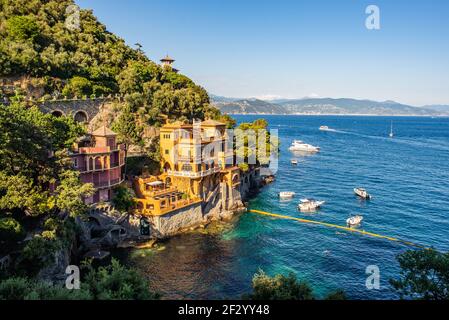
(391, 131)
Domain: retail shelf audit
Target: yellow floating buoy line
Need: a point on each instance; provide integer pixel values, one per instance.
(336, 226)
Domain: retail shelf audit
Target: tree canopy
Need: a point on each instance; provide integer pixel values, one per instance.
(424, 275)
(85, 60)
(113, 282)
(33, 157)
(281, 287)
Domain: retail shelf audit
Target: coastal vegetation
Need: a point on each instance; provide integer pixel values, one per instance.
(88, 60)
(424, 275)
(33, 156)
(281, 287)
(113, 282)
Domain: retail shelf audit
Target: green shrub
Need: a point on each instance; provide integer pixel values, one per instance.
(25, 289)
(22, 28)
(78, 86)
(123, 199)
(280, 287)
(11, 230)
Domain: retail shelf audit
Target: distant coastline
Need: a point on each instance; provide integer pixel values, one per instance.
(340, 115)
(326, 106)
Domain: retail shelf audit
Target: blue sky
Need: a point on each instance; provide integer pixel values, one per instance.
(292, 49)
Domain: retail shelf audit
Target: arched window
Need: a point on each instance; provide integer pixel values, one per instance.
(98, 165)
(167, 167)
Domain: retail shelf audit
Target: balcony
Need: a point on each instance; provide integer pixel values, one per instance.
(157, 193)
(194, 175)
(156, 208)
(108, 184)
(91, 170)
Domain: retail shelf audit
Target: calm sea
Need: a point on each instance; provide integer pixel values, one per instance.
(408, 177)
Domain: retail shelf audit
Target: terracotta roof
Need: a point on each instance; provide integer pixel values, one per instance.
(212, 123)
(103, 132)
(176, 125)
(167, 58)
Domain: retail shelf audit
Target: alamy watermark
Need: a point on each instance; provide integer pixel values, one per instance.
(72, 21)
(373, 280)
(372, 22)
(73, 281)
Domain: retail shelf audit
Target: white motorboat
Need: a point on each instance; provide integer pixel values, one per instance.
(286, 195)
(298, 145)
(362, 193)
(294, 162)
(326, 128)
(354, 221)
(310, 205)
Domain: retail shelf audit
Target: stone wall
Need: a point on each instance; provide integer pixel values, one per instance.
(87, 108)
(177, 221)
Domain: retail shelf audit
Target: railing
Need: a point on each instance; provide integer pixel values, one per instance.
(108, 184)
(191, 174)
(159, 192)
(114, 166)
(166, 209)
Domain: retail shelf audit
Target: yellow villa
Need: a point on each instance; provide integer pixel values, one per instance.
(197, 169)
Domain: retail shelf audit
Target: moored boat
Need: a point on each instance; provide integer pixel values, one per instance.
(294, 162)
(354, 221)
(310, 205)
(298, 145)
(286, 195)
(362, 193)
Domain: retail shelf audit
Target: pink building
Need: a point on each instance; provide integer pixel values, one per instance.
(100, 160)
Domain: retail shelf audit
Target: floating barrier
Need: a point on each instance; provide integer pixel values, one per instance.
(336, 226)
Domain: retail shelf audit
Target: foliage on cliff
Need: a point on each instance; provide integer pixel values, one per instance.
(33, 158)
(86, 59)
(113, 282)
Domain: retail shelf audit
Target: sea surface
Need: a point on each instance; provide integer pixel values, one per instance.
(407, 175)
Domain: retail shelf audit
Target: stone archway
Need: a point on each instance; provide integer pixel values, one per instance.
(81, 116)
(57, 113)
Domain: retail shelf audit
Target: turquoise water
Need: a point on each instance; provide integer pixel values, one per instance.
(408, 177)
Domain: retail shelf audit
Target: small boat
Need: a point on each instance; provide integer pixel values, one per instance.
(298, 145)
(286, 195)
(294, 162)
(310, 205)
(354, 221)
(391, 130)
(362, 193)
(326, 128)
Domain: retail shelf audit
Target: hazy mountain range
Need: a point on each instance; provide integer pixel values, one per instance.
(313, 106)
